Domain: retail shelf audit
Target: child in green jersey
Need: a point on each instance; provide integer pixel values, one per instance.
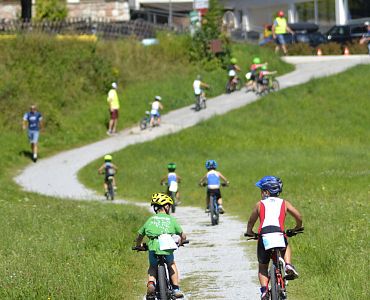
(161, 223)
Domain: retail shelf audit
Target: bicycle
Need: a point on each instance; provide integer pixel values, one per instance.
(163, 288)
(232, 86)
(145, 121)
(200, 102)
(268, 84)
(172, 192)
(214, 211)
(110, 188)
(277, 277)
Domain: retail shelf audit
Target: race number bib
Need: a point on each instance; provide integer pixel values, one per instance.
(166, 242)
(173, 187)
(273, 240)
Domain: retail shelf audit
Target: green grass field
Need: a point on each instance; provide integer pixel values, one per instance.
(316, 138)
(63, 249)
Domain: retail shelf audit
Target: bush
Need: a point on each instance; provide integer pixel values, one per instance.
(52, 10)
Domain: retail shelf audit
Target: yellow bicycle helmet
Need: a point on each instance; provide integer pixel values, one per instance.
(161, 199)
(108, 157)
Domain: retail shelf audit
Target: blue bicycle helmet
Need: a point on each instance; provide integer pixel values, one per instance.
(272, 184)
(211, 164)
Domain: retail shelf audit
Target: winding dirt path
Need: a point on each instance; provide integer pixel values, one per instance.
(217, 264)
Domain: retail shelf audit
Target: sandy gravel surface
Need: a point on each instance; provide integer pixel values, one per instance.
(217, 264)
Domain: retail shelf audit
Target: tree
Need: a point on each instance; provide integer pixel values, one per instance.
(52, 10)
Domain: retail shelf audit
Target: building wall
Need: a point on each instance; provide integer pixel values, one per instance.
(95, 9)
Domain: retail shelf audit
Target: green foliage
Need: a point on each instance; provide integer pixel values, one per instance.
(210, 29)
(316, 141)
(51, 10)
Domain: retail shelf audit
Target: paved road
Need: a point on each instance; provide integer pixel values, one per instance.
(224, 264)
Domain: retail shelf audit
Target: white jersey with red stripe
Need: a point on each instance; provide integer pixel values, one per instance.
(272, 215)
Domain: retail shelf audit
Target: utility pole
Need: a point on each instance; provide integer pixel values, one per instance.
(170, 13)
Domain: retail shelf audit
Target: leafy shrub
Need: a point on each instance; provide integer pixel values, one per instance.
(52, 10)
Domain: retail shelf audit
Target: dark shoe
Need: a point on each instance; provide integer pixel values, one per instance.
(150, 291)
(291, 272)
(177, 293)
(221, 209)
(207, 210)
(265, 296)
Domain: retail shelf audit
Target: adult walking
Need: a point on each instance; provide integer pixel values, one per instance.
(279, 28)
(33, 121)
(366, 37)
(113, 102)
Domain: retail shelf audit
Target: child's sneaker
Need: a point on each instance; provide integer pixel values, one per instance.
(290, 272)
(265, 293)
(221, 209)
(178, 294)
(150, 293)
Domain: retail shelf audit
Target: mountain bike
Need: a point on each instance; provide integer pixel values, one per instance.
(145, 121)
(214, 211)
(172, 192)
(268, 84)
(110, 193)
(232, 86)
(163, 287)
(200, 102)
(277, 277)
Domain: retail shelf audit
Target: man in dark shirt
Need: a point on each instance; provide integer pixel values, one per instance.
(33, 121)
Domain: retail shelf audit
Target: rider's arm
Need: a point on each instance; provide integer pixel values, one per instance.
(139, 240)
(203, 179)
(253, 219)
(237, 68)
(203, 84)
(183, 237)
(295, 213)
(178, 178)
(163, 179)
(100, 170)
(223, 178)
(114, 167)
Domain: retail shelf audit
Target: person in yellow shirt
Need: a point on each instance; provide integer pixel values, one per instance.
(279, 28)
(113, 102)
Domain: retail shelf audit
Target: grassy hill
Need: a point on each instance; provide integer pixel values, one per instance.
(316, 138)
(65, 249)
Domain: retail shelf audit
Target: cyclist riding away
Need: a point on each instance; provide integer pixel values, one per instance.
(172, 181)
(161, 223)
(109, 169)
(154, 113)
(271, 211)
(262, 77)
(198, 86)
(252, 75)
(212, 179)
(233, 70)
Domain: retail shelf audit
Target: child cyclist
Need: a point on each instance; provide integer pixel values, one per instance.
(271, 211)
(212, 179)
(109, 169)
(252, 75)
(160, 223)
(172, 181)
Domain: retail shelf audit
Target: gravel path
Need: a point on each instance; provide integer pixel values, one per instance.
(217, 264)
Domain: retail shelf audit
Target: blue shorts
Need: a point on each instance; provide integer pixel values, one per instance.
(280, 39)
(33, 136)
(153, 261)
(156, 115)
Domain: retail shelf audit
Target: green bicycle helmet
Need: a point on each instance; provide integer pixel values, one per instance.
(256, 60)
(171, 166)
(264, 67)
(233, 60)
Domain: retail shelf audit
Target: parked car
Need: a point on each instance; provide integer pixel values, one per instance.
(346, 33)
(305, 33)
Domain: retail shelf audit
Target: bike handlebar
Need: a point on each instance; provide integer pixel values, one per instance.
(288, 232)
(145, 247)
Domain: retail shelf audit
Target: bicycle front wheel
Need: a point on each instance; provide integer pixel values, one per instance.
(111, 190)
(203, 104)
(214, 210)
(275, 85)
(162, 283)
(143, 124)
(273, 283)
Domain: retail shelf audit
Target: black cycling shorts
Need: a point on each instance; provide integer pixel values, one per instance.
(217, 192)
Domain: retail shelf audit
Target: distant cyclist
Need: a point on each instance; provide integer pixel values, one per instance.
(199, 86)
(172, 180)
(271, 211)
(213, 181)
(252, 75)
(109, 169)
(233, 69)
(155, 111)
(161, 223)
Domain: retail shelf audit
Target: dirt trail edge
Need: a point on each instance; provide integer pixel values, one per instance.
(216, 264)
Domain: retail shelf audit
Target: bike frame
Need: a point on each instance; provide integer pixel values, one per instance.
(277, 270)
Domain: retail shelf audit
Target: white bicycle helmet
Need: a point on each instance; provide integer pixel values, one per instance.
(232, 73)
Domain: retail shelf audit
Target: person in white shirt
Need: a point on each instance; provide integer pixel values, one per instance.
(154, 113)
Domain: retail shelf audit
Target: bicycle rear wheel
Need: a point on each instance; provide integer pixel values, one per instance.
(162, 282)
(214, 210)
(143, 124)
(273, 283)
(110, 190)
